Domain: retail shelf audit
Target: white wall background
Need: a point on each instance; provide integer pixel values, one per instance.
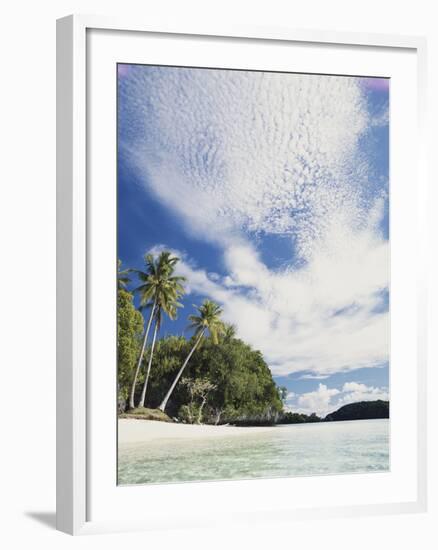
(27, 306)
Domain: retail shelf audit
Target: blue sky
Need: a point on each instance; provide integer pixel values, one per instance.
(273, 190)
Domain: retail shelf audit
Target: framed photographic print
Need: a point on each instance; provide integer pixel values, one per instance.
(241, 321)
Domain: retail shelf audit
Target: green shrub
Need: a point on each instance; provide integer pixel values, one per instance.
(189, 413)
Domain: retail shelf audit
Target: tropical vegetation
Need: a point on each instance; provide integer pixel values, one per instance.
(210, 377)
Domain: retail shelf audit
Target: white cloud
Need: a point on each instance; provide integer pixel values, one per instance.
(236, 154)
(354, 387)
(354, 392)
(295, 317)
(259, 151)
(317, 401)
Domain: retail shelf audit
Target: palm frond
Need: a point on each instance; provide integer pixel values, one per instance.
(208, 319)
(160, 284)
(122, 276)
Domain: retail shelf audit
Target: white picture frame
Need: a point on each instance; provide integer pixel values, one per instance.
(73, 330)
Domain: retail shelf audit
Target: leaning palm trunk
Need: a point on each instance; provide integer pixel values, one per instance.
(204, 401)
(137, 370)
(145, 385)
(181, 370)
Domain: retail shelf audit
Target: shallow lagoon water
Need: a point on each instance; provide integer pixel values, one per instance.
(284, 451)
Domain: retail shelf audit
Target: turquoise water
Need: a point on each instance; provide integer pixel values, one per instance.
(293, 450)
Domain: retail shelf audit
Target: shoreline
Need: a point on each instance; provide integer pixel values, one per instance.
(132, 430)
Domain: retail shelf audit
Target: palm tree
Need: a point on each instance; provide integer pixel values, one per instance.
(159, 288)
(122, 276)
(207, 320)
(171, 310)
(229, 333)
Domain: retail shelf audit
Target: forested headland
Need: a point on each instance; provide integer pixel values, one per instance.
(210, 377)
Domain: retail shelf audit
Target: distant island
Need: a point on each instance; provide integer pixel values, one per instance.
(364, 410)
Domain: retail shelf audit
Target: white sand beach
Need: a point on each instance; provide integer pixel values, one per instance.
(133, 430)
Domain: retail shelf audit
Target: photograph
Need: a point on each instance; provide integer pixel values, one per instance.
(252, 274)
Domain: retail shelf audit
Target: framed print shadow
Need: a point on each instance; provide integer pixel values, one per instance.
(236, 307)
